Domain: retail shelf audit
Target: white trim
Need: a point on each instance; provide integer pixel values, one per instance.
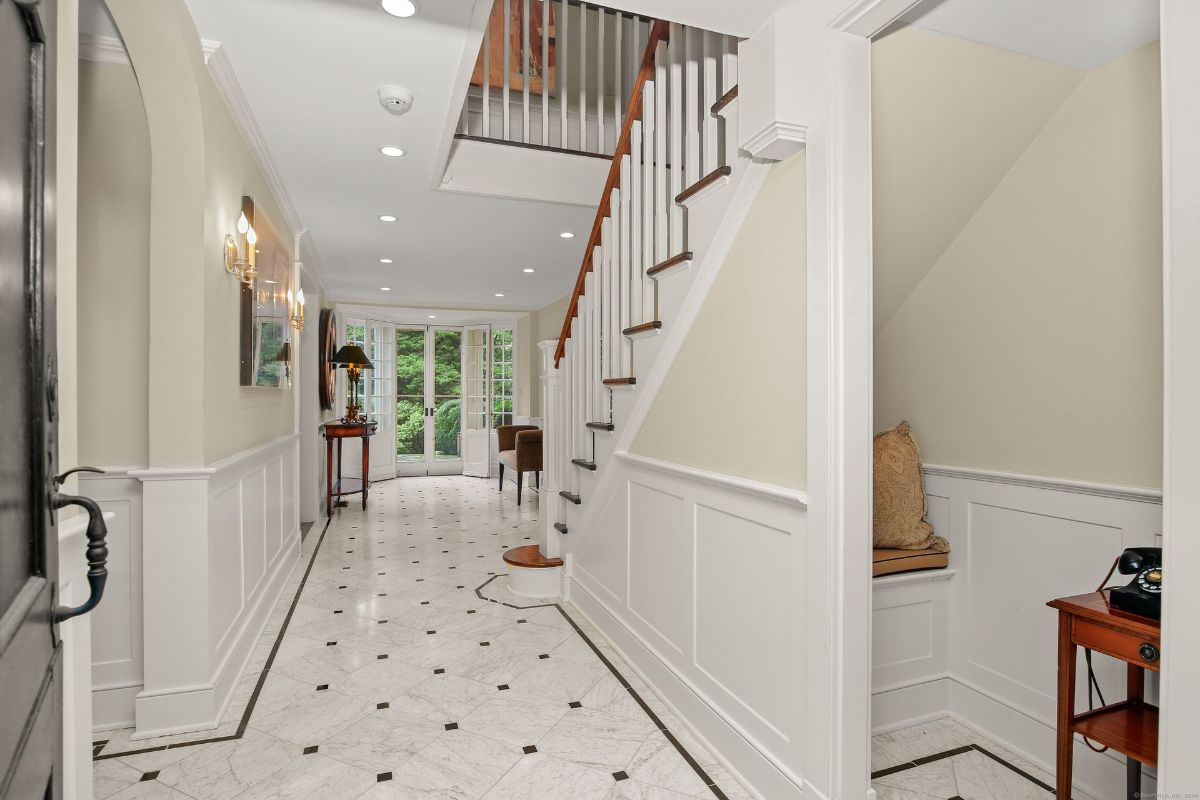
(734, 483)
(172, 473)
(777, 140)
(102, 49)
(1179, 769)
(1117, 492)
(243, 116)
(905, 578)
(111, 50)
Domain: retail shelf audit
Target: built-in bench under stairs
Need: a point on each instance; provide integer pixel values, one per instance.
(656, 221)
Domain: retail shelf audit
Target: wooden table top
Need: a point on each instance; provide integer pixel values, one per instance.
(1095, 606)
(338, 429)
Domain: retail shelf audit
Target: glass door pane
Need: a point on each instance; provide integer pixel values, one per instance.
(447, 394)
(475, 402)
(410, 395)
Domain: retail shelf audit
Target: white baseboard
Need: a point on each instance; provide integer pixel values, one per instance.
(905, 706)
(200, 708)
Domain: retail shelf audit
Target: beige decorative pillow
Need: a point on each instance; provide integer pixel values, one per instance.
(900, 494)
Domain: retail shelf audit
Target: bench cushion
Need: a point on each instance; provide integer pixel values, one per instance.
(889, 561)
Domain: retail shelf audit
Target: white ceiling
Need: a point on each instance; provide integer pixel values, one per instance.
(1077, 33)
(310, 70)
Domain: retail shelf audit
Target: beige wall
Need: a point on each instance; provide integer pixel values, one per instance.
(545, 323)
(1034, 343)
(114, 247)
(236, 417)
(734, 399)
(168, 168)
(949, 119)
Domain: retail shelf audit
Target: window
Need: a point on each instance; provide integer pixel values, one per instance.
(502, 377)
(356, 333)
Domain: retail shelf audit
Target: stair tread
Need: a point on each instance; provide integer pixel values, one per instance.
(583, 462)
(725, 100)
(620, 381)
(574, 498)
(530, 556)
(602, 426)
(561, 527)
(700, 185)
(673, 261)
(644, 327)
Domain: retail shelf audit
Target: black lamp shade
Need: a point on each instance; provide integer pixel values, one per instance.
(351, 355)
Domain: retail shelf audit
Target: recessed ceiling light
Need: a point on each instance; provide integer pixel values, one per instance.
(566, 235)
(433, 316)
(268, 280)
(527, 269)
(385, 288)
(393, 152)
(400, 8)
(386, 218)
(499, 294)
(385, 261)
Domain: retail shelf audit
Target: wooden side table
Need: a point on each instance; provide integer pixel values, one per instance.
(337, 431)
(1130, 726)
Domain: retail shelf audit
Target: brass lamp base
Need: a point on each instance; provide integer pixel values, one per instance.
(353, 412)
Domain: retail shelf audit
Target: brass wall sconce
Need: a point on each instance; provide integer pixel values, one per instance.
(239, 252)
(296, 309)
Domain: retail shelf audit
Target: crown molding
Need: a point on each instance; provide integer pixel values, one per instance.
(111, 50)
(239, 107)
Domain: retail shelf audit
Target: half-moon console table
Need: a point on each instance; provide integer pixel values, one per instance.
(337, 431)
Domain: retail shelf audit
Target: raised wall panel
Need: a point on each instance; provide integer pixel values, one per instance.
(225, 552)
(605, 559)
(902, 634)
(1013, 634)
(274, 513)
(744, 603)
(659, 581)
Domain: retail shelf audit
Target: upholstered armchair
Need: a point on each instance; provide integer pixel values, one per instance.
(521, 450)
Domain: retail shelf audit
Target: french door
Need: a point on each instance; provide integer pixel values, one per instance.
(429, 400)
(375, 392)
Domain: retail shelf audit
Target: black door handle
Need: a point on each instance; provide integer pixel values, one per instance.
(59, 480)
(97, 554)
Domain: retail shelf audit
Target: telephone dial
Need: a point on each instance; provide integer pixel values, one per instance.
(1143, 594)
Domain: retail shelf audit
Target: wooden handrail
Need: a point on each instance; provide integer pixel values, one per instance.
(659, 32)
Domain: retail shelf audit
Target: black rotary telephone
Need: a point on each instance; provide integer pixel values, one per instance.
(1143, 595)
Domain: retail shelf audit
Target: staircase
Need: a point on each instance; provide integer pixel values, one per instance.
(669, 187)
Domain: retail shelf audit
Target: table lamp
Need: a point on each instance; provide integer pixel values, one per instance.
(354, 360)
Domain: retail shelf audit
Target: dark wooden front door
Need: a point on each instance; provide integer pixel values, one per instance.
(30, 664)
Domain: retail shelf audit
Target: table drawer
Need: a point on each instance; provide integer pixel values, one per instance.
(1143, 651)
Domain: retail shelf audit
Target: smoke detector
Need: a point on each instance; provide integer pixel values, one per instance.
(395, 99)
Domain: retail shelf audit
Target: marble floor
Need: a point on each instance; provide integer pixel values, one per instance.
(397, 666)
(944, 760)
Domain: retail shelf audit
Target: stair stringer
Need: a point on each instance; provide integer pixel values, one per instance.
(679, 314)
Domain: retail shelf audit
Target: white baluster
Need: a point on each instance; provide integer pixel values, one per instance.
(600, 148)
(588, 350)
(487, 82)
(542, 66)
(583, 71)
(628, 191)
(618, 64)
(506, 122)
(525, 76)
(643, 308)
(595, 388)
(710, 96)
(729, 63)
(606, 239)
(691, 114)
(614, 287)
(637, 176)
(676, 48)
(561, 58)
(662, 196)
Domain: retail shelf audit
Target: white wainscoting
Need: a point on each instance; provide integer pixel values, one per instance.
(197, 560)
(694, 577)
(117, 621)
(1016, 543)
